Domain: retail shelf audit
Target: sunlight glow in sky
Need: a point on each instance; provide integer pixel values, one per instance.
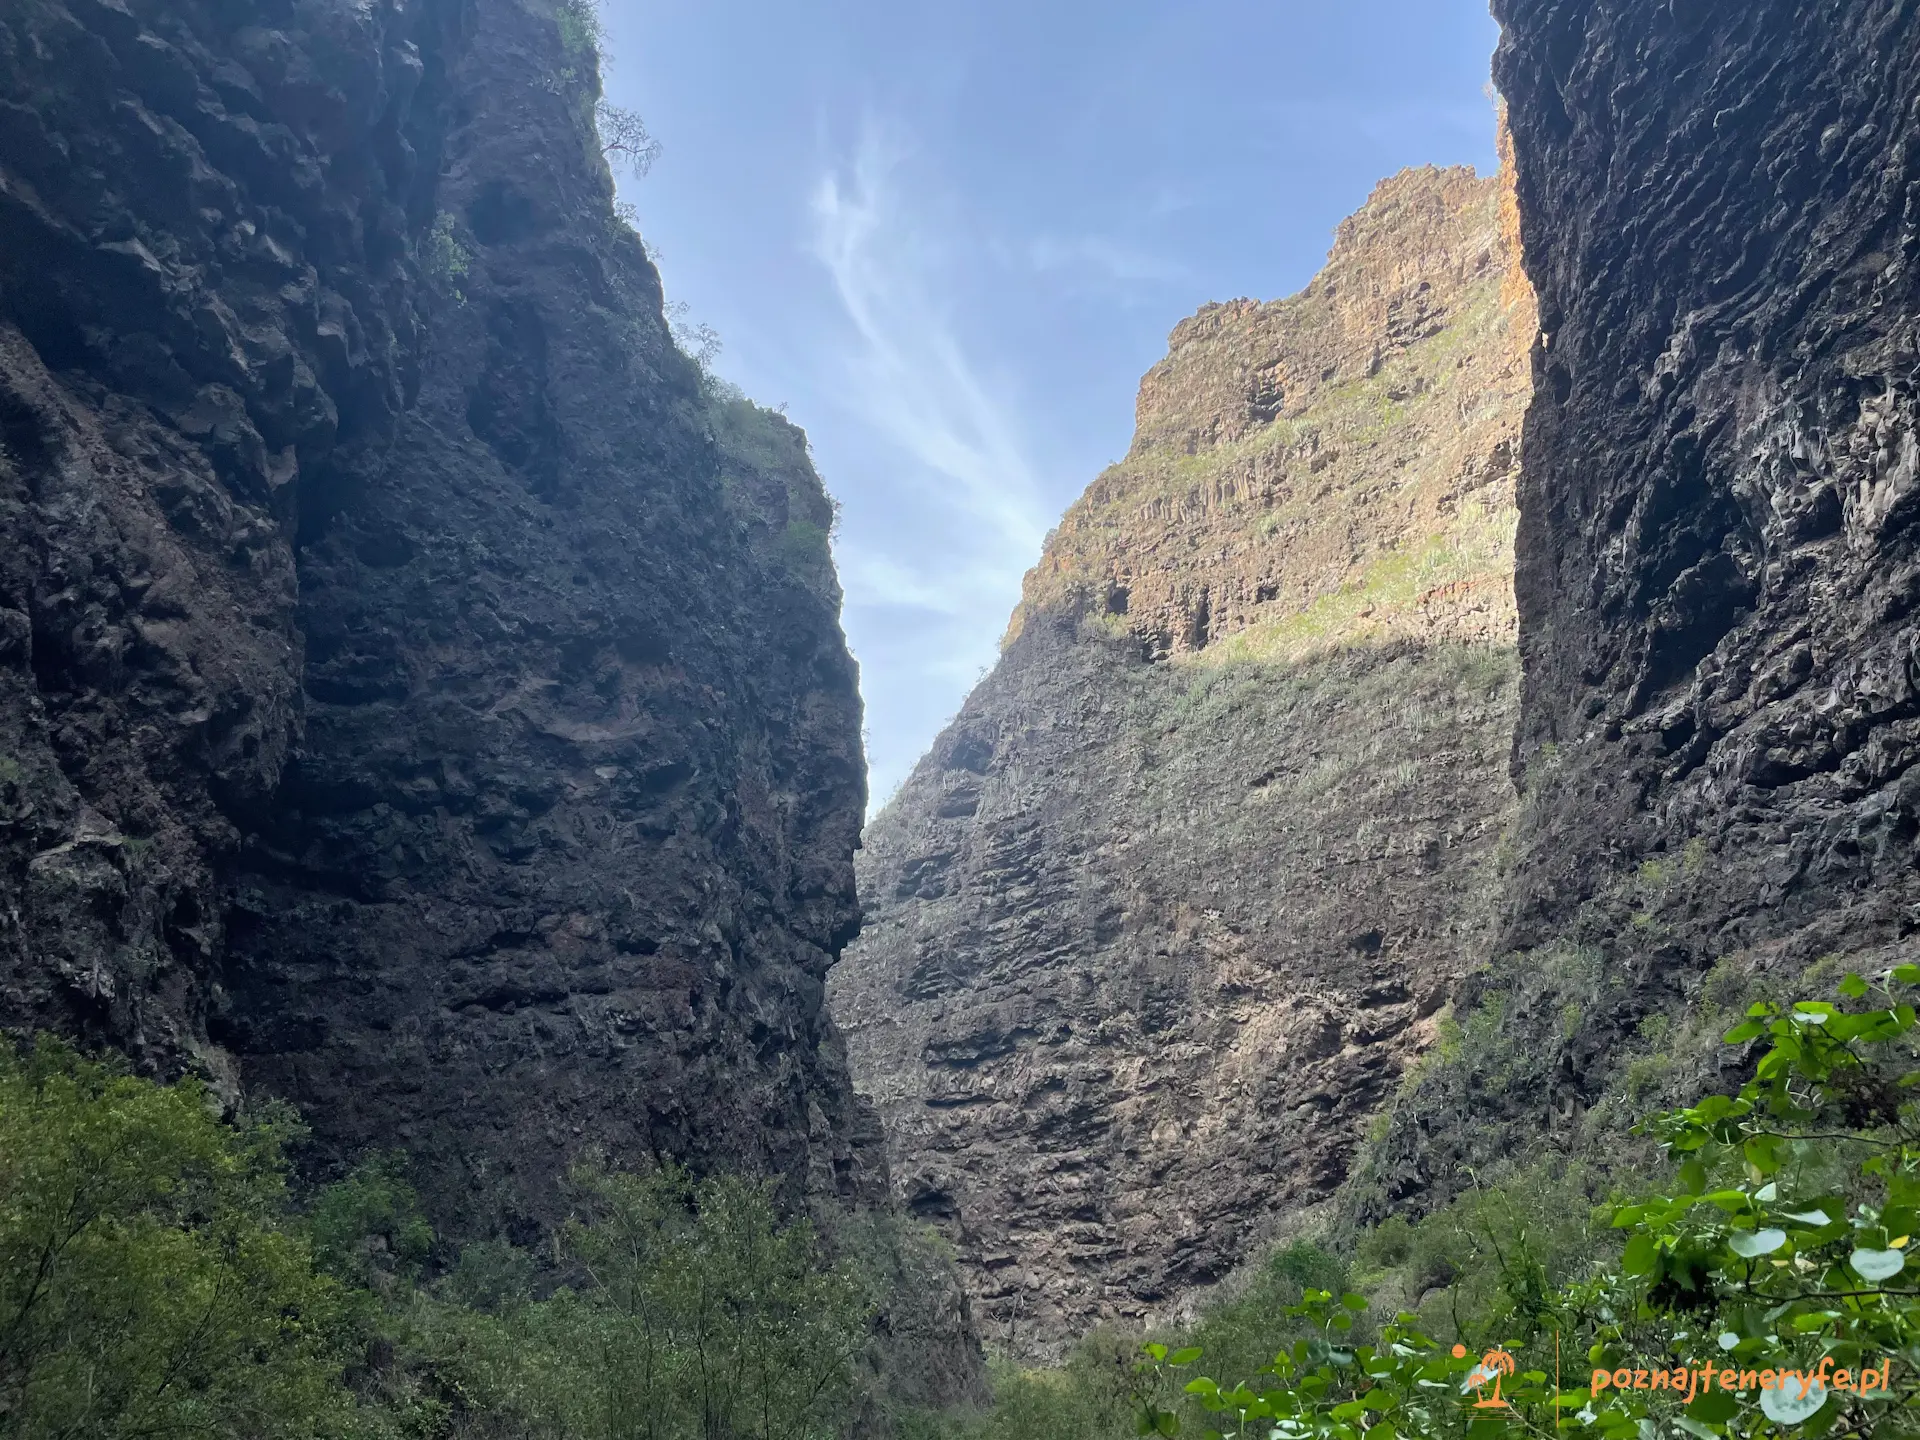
(951, 238)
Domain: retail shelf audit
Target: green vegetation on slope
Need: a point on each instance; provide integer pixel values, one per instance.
(1747, 1283)
(158, 1280)
(1472, 548)
(770, 486)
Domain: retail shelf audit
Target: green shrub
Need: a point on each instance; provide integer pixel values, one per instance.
(582, 32)
(704, 1314)
(156, 1281)
(804, 546)
(1243, 1329)
(367, 1230)
(149, 1282)
(445, 260)
(1772, 1257)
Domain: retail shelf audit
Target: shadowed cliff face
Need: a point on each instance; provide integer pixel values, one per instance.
(1161, 918)
(418, 696)
(209, 316)
(1719, 552)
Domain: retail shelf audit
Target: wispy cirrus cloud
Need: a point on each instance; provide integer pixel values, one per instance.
(949, 508)
(910, 379)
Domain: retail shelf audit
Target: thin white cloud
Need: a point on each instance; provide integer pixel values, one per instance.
(876, 578)
(933, 546)
(908, 375)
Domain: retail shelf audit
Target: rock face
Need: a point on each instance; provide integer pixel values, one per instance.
(1163, 915)
(1719, 555)
(420, 695)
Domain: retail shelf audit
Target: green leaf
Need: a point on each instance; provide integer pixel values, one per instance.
(1693, 1176)
(1167, 1423)
(1763, 1153)
(1355, 1303)
(1158, 1352)
(1815, 1218)
(1184, 1357)
(1383, 1431)
(1642, 1255)
(1713, 1407)
(1877, 1265)
(1750, 1245)
(1853, 987)
(1907, 974)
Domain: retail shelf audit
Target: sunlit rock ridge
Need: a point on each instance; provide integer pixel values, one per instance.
(1166, 911)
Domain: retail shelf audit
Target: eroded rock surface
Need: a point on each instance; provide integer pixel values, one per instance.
(419, 696)
(1160, 920)
(1719, 555)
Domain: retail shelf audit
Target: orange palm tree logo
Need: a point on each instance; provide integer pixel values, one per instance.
(1495, 1365)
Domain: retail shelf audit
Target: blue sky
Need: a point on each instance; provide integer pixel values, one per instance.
(951, 237)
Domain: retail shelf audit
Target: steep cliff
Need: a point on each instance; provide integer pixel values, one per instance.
(1159, 921)
(1719, 554)
(420, 695)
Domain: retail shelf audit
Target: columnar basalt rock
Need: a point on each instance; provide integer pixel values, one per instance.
(1164, 914)
(1719, 551)
(421, 693)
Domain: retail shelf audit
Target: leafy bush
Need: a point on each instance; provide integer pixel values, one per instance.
(150, 1283)
(582, 32)
(1094, 1395)
(444, 258)
(704, 1316)
(1756, 1293)
(367, 1229)
(1239, 1334)
(157, 1281)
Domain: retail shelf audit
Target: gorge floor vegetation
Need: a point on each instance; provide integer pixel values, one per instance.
(159, 1278)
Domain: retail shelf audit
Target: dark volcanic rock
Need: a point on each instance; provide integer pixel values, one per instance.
(1719, 550)
(419, 695)
(210, 324)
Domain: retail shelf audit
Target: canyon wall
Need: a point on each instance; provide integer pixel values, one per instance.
(1160, 920)
(422, 695)
(1719, 549)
